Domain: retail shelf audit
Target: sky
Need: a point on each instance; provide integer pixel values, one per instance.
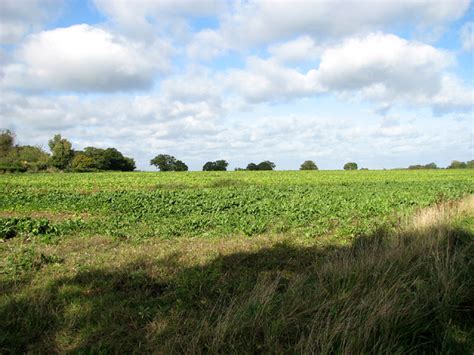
(386, 84)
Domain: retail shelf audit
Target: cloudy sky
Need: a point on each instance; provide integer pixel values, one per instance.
(382, 83)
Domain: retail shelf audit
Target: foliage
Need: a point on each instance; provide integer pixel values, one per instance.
(252, 166)
(427, 166)
(264, 165)
(403, 290)
(81, 162)
(218, 165)
(7, 142)
(309, 165)
(61, 152)
(456, 164)
(350, 166)
(141, 205)
(166, 162)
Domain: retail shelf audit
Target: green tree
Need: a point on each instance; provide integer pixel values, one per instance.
(252, 166)
(7, 142)
(218, 165)
(309, 165)
(266, 165)
(82, 162)
(470, 164)
(456, 164)
(350, 166)
(61, 152)
(166, 162)
(32, 158)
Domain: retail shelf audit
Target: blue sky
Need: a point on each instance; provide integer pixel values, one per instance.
(384, 83)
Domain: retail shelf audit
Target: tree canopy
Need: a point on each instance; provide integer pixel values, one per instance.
(350, 166)
(264, 165)
(218, 165)
(165, 162)
(309, 165)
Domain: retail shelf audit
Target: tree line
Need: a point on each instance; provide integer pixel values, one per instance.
(62, 157)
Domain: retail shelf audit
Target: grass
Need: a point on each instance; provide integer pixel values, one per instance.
(402, 289)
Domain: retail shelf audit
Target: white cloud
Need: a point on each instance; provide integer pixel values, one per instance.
(301, 49)
(381, 68)
(142, 18)
(85, 58)
(467, 36)
(266, 80)
(395, 65)
(263, 21)
(18, 17)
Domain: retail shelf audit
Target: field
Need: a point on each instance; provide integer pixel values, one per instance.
(237, 262)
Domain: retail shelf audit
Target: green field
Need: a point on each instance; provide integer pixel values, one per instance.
(170, 205)
(230, 262)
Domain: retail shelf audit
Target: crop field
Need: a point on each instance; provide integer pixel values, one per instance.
(170, 205)
(227, 262)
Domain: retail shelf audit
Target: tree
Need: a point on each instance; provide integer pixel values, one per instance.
(470, 164)
(218, 165)
(7, 142)
(350, 166)
(166, 162)
(81, 162)
(427, 166)
(309, 165)
(456, 164)
(62, 152)
(108, 159)
(252, 166)
(431, 166)
(266, 165)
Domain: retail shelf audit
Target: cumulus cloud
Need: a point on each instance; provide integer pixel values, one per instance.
(143, 18)
(17, 18)
(253, 23)
(266, 80)
(85, 58)
(383, 67)
(467, 36)
(301, 49)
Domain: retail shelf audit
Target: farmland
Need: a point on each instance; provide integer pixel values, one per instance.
(214, 262)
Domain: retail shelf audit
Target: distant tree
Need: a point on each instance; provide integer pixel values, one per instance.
(61, 152)
(350, 166)
(431, 166)
(180, 166)
(166, 162)
(81, 162)
(252, 166)
(266, 165)
(456, 164)
(427, 166)
(309, 165)
(470, 164)
(114, 160)
(218, 165)
(106, 159)
(7, 141)
(32, 158)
